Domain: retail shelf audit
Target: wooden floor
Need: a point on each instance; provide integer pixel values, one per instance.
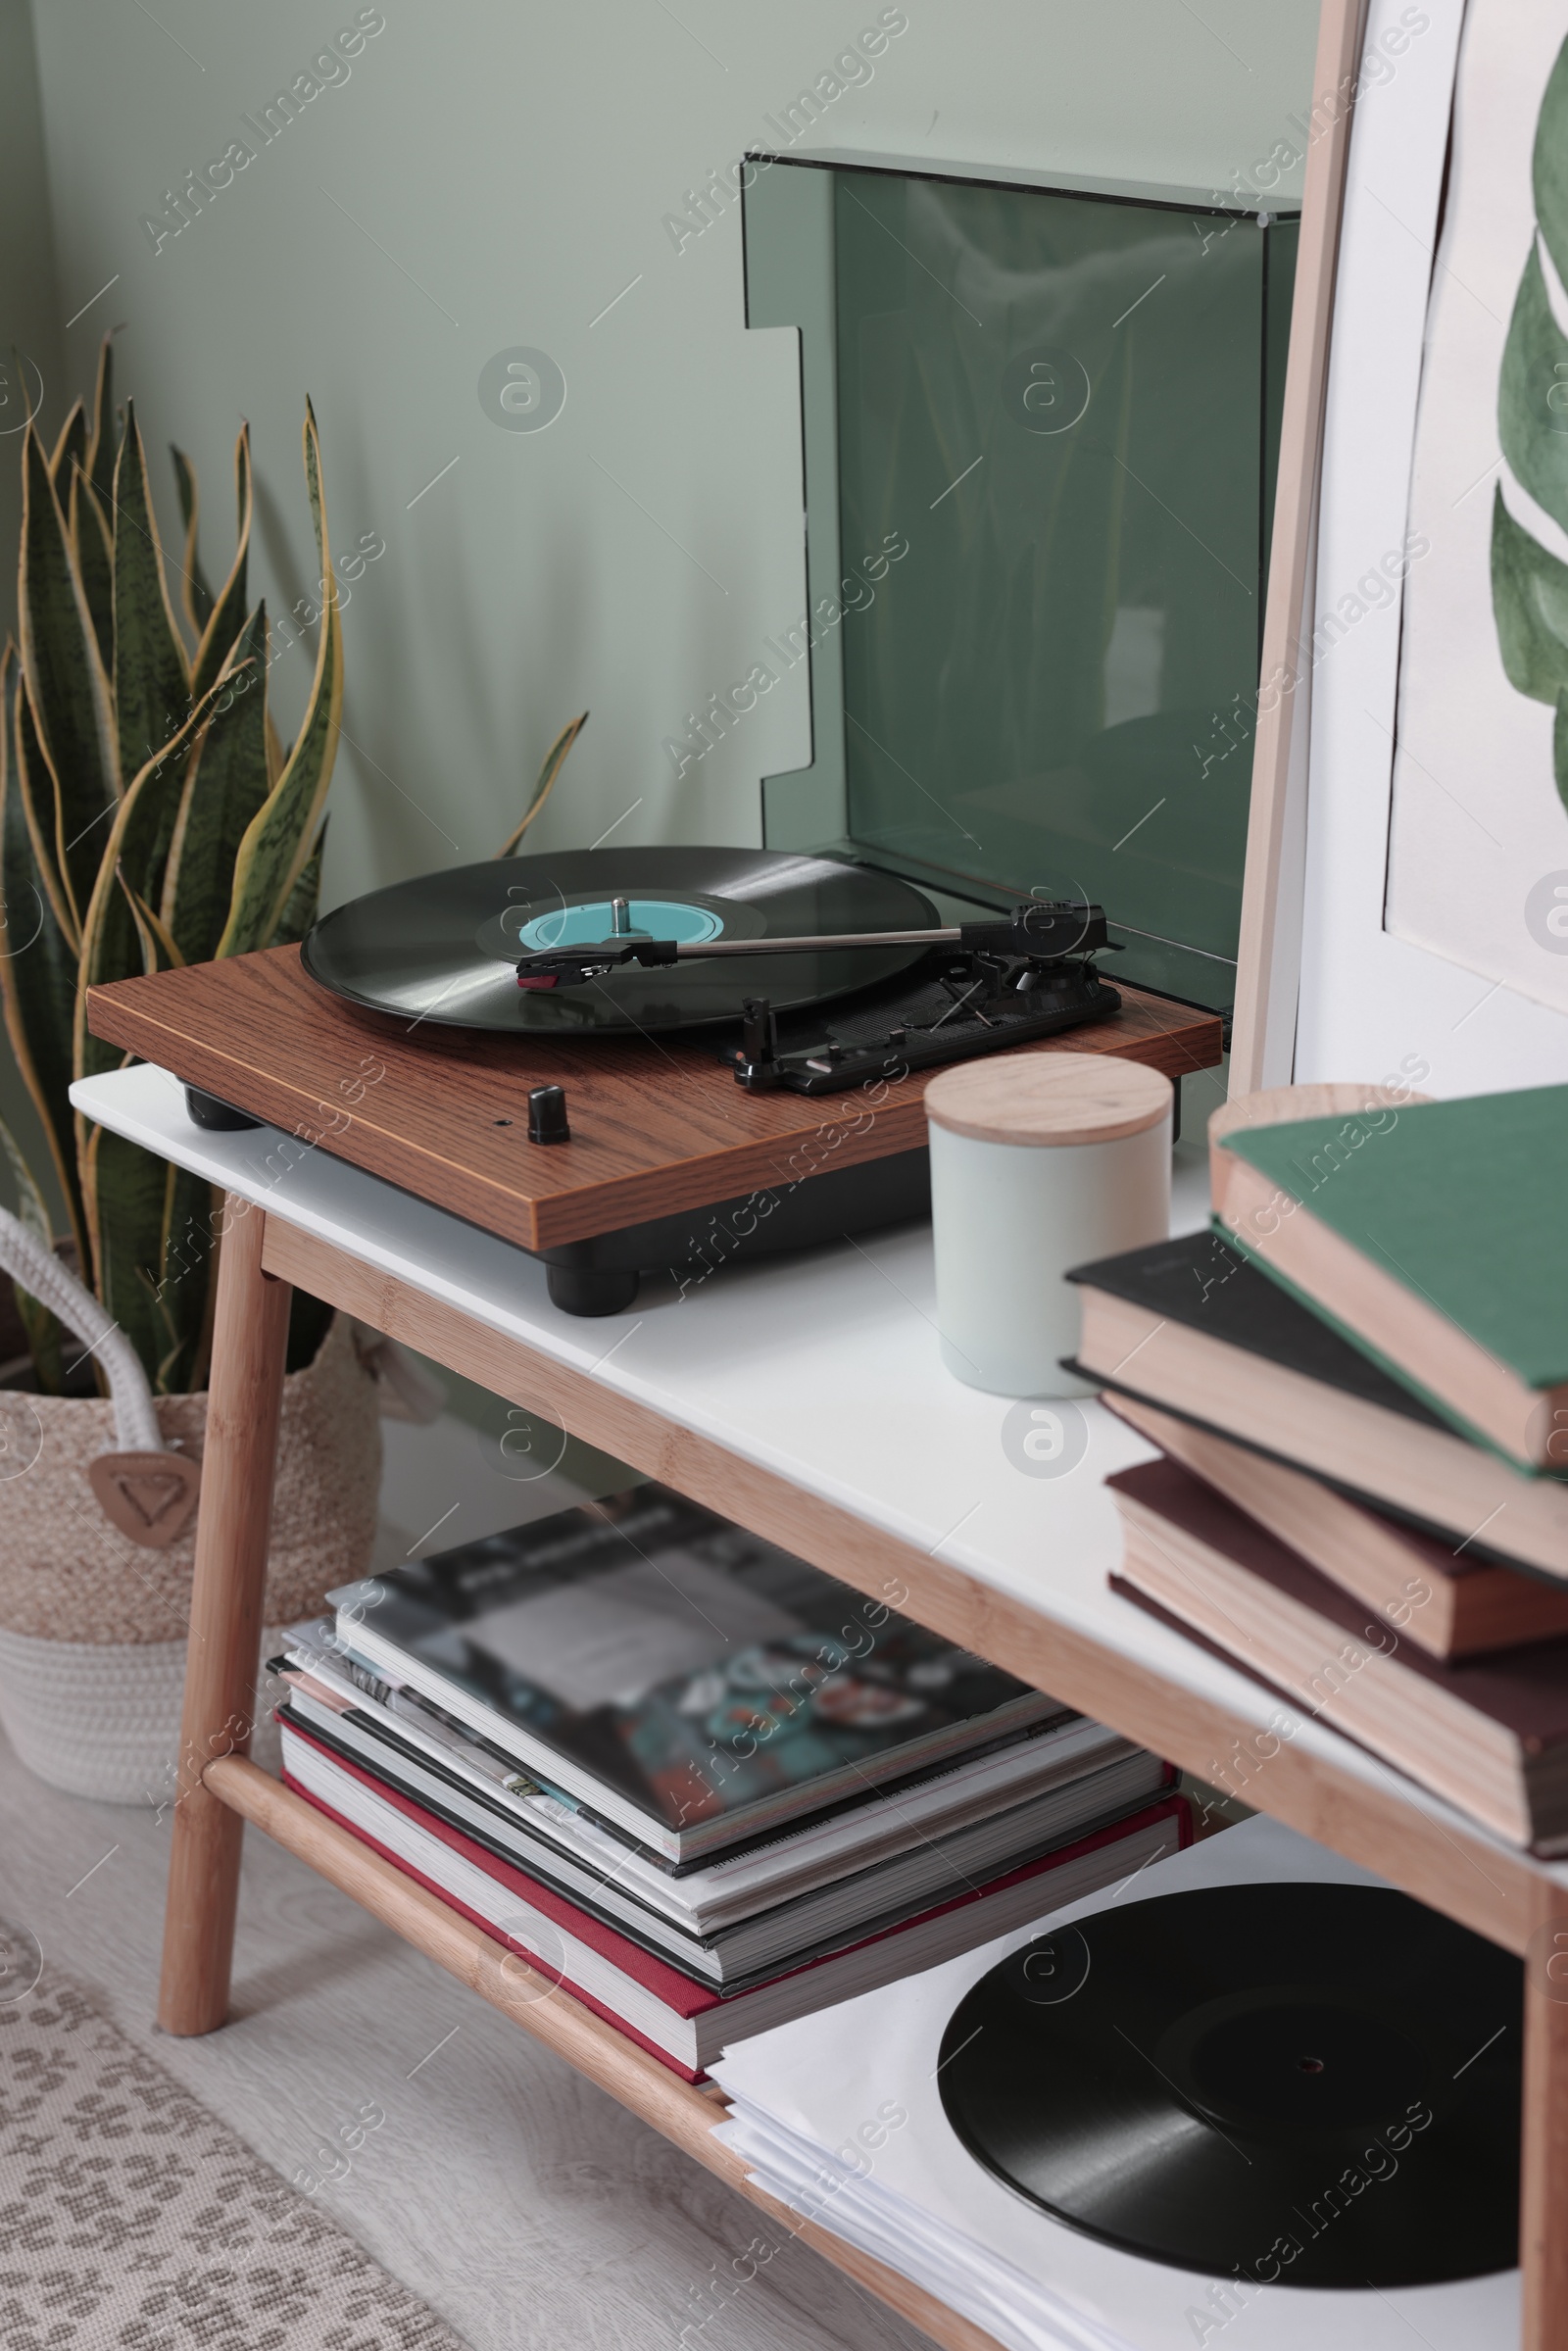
(525, 2207)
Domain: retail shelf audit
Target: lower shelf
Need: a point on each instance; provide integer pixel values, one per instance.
(682, 2112)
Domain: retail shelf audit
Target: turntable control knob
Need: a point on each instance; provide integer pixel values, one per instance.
(547, 1115)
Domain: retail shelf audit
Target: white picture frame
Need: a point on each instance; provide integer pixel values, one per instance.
(1327, 992)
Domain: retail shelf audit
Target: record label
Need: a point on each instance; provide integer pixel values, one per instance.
(1289, 2085)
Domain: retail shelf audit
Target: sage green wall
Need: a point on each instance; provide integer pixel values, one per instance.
(489, 177)
(29, 320)
(30, 344)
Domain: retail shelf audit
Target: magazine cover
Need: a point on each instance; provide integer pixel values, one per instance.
(683, 1660)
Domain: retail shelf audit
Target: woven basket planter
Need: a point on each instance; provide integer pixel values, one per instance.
(92, 1627)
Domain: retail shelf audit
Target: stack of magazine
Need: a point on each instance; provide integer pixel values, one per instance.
(700, 1787)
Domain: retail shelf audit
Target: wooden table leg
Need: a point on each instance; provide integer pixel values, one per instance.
(1544, 2194)
(250, 1339)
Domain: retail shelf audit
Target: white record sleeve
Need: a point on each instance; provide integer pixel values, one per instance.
(836, 2085)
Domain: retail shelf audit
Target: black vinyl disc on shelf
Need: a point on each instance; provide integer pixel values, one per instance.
(1310, 2085)
(444, 948)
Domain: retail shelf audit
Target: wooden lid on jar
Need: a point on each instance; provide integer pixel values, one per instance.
(1049, 1099)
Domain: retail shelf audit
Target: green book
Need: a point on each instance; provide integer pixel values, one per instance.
(1435, 1238)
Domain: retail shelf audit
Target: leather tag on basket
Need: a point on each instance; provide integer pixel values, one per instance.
(148, 1497)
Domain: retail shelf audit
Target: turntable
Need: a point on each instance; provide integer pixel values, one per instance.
(599, 943)
(624, 1061)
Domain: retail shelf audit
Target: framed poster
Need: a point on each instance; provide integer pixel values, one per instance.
(1422, 826)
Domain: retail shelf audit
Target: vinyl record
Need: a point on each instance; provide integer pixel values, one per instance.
(1307, 2085)
(444, 949)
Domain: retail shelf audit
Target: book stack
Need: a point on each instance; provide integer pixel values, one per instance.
(1359, 1384)
(703, 1788)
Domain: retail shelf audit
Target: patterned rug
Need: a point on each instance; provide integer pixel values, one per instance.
(131, 2220)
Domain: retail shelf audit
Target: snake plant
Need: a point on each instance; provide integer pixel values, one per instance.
(149, 816)
(1529, 583)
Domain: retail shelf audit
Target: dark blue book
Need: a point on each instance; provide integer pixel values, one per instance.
(1190, 1325)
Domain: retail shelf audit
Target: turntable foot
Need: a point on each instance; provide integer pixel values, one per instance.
(590, 1289)
(218, 1117)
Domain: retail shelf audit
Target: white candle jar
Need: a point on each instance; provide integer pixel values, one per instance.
(1039, 1161)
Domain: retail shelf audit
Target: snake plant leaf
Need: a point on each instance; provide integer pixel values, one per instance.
(151, 1230)
(186, 1290)
(1530, 604)
(544, 784)
(91, 505)
(32, 1210)
(69, 451)
(39, 791)
(151, 1227)
(38, 976)
(46, 1338)
(158, 949)
(304, 898)
(194, 592)
(92, 543)
(137, 848)
(67, 684)
(130, 1196)
(278, 841)
(101, 446)
(228, 615)
(225, 784)
(1533, 395)
(152, 678)
(185, 1296)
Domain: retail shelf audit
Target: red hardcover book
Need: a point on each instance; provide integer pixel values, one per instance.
(686, 2023)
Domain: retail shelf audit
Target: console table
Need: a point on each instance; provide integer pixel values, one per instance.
(803, 1396)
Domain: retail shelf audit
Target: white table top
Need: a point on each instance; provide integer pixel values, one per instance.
(821, 1366)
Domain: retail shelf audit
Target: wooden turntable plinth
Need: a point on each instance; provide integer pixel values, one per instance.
(658, 1123)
